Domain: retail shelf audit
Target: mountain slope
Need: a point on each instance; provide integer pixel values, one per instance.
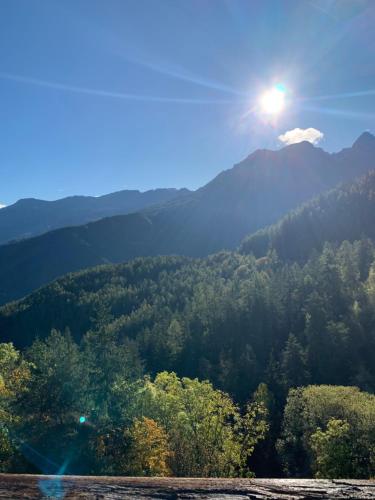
(251, 195)
(228, 318)
(345, 213)
(31, 217)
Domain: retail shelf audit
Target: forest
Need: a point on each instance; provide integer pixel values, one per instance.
(224, 366)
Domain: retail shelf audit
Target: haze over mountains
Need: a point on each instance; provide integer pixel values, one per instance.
(31, 217)
(254, 193)
(344, 213)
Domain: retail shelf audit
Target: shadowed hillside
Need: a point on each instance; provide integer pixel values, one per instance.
(31, 217)
(346, 213)
(254, 193)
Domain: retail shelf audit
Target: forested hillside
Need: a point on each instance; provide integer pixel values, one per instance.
(254, 193)
(346, 213)
(254, 328)
(228, 314)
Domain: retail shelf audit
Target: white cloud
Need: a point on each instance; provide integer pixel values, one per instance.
(301, 134)
(2, 205)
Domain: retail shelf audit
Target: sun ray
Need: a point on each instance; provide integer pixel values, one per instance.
(343, 95)
(339, 112)
(110, 94)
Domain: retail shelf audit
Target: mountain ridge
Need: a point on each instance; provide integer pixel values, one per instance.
(237, 202)
(29, 217)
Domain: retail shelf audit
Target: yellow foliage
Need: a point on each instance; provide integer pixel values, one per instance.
(150, 453)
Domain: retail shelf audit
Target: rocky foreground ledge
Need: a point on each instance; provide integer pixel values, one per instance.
(114, 488)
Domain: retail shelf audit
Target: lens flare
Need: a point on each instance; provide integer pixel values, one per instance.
(272, 102)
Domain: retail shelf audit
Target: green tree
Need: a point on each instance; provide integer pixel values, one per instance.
(312, 408)
(206, 433)
(294, 363)
(50, 410)
(332, 451)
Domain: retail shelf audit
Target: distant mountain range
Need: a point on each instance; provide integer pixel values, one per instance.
(31, 217)
(77, 300)
(253, 194)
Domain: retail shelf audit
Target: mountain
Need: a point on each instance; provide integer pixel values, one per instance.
(31, 217)
(345, 213)
(253, 194)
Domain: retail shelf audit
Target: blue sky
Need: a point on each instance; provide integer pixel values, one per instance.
(102, 95)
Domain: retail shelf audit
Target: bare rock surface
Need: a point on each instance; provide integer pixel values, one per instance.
(114, 488)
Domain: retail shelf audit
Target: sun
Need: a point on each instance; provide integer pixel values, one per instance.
(272, 102)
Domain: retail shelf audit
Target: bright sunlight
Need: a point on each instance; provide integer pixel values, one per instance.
(272, 102)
